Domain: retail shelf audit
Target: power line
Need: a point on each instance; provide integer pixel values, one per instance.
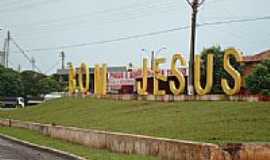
(9, 2)
(109, 41)
(131, 13)
(133, 7)
(52, 67)
(30, 60)
(233, 21)
(226, 10)
(150, 34)
(24, 6)
(213, 1)
(44, 33)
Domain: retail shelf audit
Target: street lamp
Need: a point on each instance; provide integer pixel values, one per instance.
(195, 4)
(153, 55)
(159, 50)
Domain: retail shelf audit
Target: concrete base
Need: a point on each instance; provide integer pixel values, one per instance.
(170, 98)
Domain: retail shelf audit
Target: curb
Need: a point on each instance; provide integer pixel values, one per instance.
(42, 148)
(163, 148)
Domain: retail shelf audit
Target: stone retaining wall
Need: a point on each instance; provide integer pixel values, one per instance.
(167, 149)
(169, 98)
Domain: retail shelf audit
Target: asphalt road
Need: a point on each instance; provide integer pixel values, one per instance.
(10, 150)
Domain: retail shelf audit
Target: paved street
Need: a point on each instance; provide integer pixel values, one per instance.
(10, 150)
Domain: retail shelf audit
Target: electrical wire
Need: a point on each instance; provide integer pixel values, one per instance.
(52, 67)
(24, 6)
(86, 26)
(130, 7)
(24, 54)
(234, 21)
(150, 34)
(109, 41)
(131, 13)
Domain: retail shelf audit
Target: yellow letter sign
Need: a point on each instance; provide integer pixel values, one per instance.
(158, 76)
(84, 70)
(72, 80)
(141, 88)
(197, 75)
(100, 79)
(178, 74)
(232, 71)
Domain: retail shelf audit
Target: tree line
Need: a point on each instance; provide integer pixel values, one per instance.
(27, 83)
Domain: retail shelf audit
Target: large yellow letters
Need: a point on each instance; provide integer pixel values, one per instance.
(158, 76)
(100, 76)
(104, 71)
(72, 80)
(178, 74)
(232, 71)
(197, 75)
(142, 87)
(100, 80)
(84, 70)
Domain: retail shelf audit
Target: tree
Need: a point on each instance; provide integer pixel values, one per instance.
(30, 81)
(258, 82)
(62, 80)
(47, 85)
(10, 82)
(219, 71)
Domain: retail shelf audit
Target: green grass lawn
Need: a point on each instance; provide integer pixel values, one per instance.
(91, 154)
(217, 122)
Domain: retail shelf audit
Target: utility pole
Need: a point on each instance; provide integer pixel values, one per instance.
(2, 54)
(2, 58)
(5, 54)
(7, 49)
(152, 60)
(33, 62)
(19, 68)
(62, 55)
(195, 4)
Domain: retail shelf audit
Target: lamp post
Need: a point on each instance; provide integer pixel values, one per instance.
(153, 55)
(195, 4)
(2, 54)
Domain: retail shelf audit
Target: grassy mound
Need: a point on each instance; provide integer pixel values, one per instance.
(216, 122)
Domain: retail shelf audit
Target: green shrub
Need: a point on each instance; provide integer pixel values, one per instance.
(258, 82)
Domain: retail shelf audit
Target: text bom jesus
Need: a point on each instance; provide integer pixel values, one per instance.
(100, 76)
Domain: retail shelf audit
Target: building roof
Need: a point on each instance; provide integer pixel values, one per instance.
(258, 57)
(91, 70)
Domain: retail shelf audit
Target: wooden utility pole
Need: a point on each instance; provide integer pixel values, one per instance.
(62, 55)
(33, 62)
(5, 57)
(7, 54)
(195, 4)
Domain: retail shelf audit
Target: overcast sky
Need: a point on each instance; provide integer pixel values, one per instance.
(38, 24)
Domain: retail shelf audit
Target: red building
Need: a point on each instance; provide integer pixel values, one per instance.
(252, 61)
